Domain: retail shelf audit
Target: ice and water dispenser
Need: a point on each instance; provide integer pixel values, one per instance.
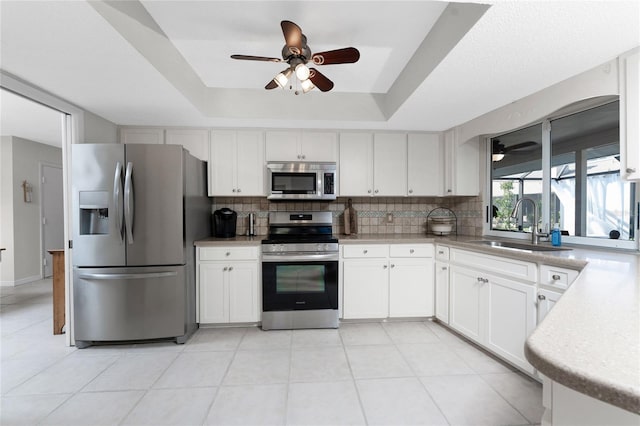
(94, 212)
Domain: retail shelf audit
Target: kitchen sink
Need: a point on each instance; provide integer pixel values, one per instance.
(517, 246)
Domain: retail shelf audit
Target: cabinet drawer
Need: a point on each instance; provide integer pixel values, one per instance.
(411, 250)
(442, 253)
(228, 253)
(365, 251)
(509, 267)
(557, 277)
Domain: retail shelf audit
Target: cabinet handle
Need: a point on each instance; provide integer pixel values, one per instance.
(479, 279)
(411, 191)
(448, 190)
(393, 266)
(440, 252)
(376, 191)
(298, 156)
(225, 269)
(542, 297)
(411, 251)
(231, 268)
(368, 191)
(631, 170)
(304, 156)
(238, 189)
(365, 251)
(444, 268)
(384, 266)
(233, 190)
(555, 277)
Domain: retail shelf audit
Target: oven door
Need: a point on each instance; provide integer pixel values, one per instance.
(290, 283)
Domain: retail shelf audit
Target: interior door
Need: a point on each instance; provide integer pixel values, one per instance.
(52, 214)
(153, 201)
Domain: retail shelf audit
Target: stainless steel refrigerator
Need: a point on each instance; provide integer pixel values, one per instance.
(137, 209)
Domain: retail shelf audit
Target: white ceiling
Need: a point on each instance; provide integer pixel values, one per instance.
(425, 65)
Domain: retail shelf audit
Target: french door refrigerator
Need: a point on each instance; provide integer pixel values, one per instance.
(137, 209)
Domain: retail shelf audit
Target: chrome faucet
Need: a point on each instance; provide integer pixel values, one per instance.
(535, 233)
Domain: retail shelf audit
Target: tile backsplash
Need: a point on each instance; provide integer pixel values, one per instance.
(409, 215)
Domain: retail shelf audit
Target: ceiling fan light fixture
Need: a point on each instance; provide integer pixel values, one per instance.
(497, 157)
(497, 151)
(283, 78)
(306, 85)
(302, 72)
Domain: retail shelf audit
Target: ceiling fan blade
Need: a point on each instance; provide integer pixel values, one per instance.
(292, 37)
(271, 85)
(255, 58)
(520, 146)
(348, 55)
(319, 80)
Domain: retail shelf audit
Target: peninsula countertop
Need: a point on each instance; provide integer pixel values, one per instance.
(590, 341)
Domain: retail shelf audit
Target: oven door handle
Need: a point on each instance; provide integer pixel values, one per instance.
(306, 257)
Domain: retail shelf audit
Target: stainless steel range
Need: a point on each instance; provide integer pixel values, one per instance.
(300, 272)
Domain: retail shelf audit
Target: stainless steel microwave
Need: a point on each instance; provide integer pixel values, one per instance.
(302, 181)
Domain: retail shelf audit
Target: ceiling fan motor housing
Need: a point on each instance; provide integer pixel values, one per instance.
(290, 52)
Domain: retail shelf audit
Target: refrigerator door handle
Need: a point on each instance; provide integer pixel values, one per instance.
(117, 194)
(127, 276)
(129, 201)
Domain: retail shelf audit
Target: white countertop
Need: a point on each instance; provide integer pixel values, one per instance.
(590, 341)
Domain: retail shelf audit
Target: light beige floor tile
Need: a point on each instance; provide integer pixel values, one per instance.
(195, 369)
(183, 407)
(468, 400)
(376, 361)
(249, 405)
(96, 409)
(259, 368)
(258, 339)
(28, 410)
(409, 332)
(330, 403)
(479, 361)
(132, 371)
(316, 338)
(430, 359)
(215, 339)
(523, 393)
(15, 371)
(319, 365)
(401, 401)
(364, 334)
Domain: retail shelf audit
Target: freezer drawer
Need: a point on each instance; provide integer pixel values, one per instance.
(113, 304)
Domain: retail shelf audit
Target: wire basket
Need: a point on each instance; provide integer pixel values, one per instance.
(442, 221)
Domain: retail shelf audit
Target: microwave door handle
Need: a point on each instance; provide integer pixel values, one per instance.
(129, 201)
(117, 195)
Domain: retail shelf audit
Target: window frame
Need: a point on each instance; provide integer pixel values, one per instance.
(546, 188)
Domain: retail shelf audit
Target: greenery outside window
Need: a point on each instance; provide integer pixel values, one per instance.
(570, 166)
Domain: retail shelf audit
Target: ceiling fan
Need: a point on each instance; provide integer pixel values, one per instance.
(498, 150)
(297, 54)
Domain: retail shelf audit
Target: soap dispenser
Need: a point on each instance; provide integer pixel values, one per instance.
(556, 235)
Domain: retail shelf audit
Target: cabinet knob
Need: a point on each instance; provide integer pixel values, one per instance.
(227, 253)
(368, 191)
(440, 252)
(555, 277)
(393, 266)
(304, 156)
(298, 156)
(444, 268)
(411, 191)
(631, 170)
(384, 266)
(448, 190)
(376, 191)
(542, 297)
(365, 251)
(233, 190)
(225, 268)
(238, 189)
(411, 251)
(231, 268)
(479, 279)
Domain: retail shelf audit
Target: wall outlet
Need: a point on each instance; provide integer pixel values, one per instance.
(389, 217)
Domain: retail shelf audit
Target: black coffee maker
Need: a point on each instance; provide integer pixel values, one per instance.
(224, 223)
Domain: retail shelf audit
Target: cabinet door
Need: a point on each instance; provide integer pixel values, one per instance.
(356, 164)
(442, 291)
(390, 164)
(214, 305)
(196, 141)
(411, 292)
(462, 163)
(222, 160)
(250, 164)
(629, 113)
(283, 145)
(465, 303)
(142, 135)
(511, 317)
(319, 146)
(546, 300)
(366, 289)
(424, 165)
(243, 292)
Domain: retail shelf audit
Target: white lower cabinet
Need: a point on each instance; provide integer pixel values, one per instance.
(497, 312)
(381, 281)
(228, 287)
(546, 300)
(441, 276)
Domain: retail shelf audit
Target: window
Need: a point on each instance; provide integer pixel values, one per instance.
(579, 186)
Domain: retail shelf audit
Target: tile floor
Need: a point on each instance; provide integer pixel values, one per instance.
(392, 373)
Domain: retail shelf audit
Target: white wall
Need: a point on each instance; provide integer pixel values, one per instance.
(99, 130)
(20, 221)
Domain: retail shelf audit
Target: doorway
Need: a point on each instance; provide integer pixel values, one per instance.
(52, 214)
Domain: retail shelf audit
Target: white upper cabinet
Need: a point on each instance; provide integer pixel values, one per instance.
(356, 164)
(296, 145)
(462, 165)
(424, 165)
(236, 165)
(390, 164)
(629, 69)
(142, 135)
(373, 165)
(196, 141)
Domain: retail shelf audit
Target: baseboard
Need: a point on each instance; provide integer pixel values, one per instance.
(21, 281)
